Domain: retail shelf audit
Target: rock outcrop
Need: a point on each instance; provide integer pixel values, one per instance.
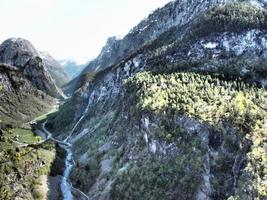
(175, 13)
(54, 68)
(22, 54)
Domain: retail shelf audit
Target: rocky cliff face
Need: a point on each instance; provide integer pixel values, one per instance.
(176, 13)
(180, 117)
(21, 54)
(54, 68)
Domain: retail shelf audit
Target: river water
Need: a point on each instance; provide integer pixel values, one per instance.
(66, 186)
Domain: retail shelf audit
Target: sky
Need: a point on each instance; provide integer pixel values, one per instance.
(76, 29)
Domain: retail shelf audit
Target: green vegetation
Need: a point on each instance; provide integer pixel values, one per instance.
(233, 17)
(24, 136)
(46, 115)
(200, 96)
(21, 167)
(89, 145)
(165, 178)
(20, 101)
(212, 101)
(65, 117)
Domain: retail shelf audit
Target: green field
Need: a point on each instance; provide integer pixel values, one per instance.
(24, 135)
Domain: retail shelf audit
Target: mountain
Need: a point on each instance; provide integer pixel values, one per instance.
(174, 14)
(54, 68)
(27, 91)
(177, 109)
(71, 67)
(22, 54)
(20, 101)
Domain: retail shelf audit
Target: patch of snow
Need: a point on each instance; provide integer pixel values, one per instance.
(146, 122)
(106, 165)
(210, 45)
(146, 138)
(119, 37)
(136, 62)
(105, 147)
(245, 41)
(256, 3)
(153, 146)
(77, 61)
(97, 68)
(264, 43)
(264, 82)
(244, 71)
(83, 158)
(189, 53)
(127, 68)
(125, 167)
(103, 92)
(226, 45)
(144, 28)
(63, 62)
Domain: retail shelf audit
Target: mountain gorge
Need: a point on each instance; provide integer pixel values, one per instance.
(27, 91)
(177, 109)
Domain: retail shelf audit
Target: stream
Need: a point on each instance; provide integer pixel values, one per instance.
(66, 186)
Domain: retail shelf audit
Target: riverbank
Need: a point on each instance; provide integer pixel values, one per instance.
(49, 187)
(67, 190)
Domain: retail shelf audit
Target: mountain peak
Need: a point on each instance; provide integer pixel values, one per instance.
(17, 52)
(39, 67)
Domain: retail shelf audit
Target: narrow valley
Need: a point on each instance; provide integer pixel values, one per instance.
(176, 109)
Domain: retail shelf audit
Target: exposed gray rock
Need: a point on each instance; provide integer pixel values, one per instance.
(22, 54)
(175, 13)
(105, 94)
(106, 165)
(57, 73)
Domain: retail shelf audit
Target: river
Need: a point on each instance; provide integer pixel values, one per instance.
(66, 186)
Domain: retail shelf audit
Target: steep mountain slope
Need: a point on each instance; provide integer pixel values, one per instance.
(22, 54)
(55, 69)
(181, 115)
(175, 13)
(20, 101)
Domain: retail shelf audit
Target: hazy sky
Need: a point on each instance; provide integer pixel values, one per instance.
(71, 28)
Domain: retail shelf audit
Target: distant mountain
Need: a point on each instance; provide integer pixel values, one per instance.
(43, 71)
(72, 67)
(55, 69)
